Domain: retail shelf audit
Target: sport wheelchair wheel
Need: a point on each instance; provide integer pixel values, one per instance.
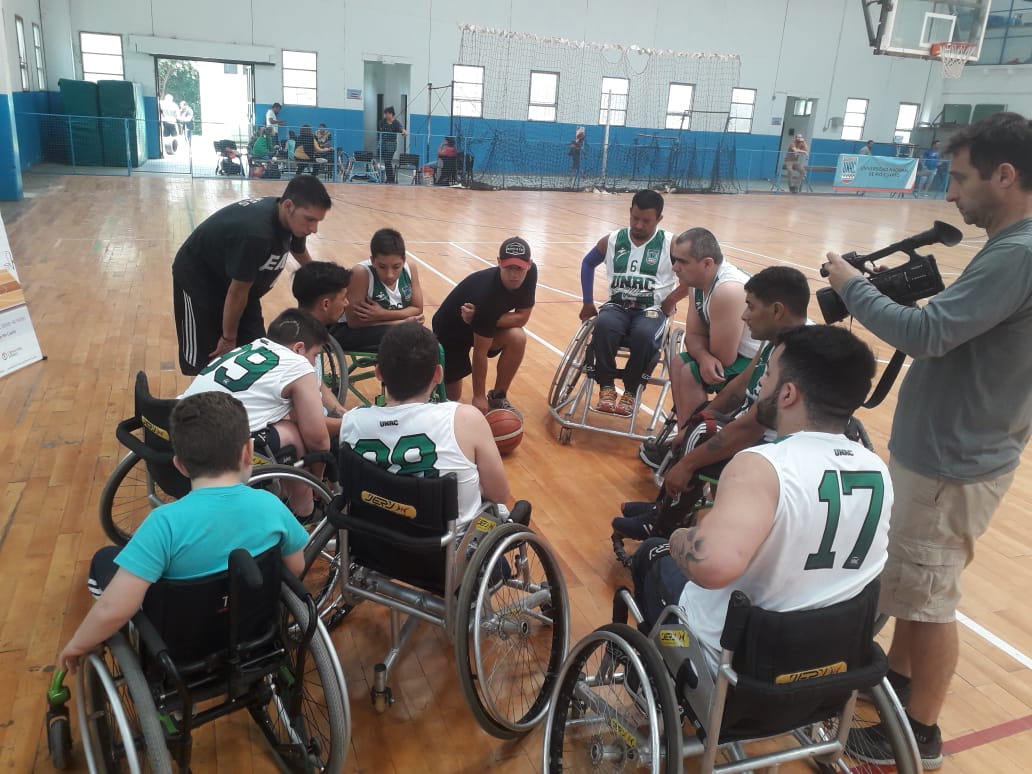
(271, 477)
(321, 575)
(118, 721)
(602, 718)
(571, 367)
(307, 720)
(129, 495)
(512, 630)
(886, 708)
(334, 369)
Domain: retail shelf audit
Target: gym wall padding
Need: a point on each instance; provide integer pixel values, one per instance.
(82, 105)
(122, 99)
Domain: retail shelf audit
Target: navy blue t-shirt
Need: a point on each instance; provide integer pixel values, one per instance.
(483, 289)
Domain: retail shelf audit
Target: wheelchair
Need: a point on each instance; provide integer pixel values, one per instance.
(344, 369)
(333, 369)
(497, 590)
(623, 696)
(572, 392)
(146, 478)
(188, 658)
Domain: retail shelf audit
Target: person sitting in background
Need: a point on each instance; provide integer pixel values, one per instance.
(445, 173)
(304, 149)
(263, 146)
(323, 143)
(930, 161)
(867, 149)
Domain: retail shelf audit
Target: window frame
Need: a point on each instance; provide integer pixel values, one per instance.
(23, 53)
(732, 118)
(545, 107)
(852, 130)
(299, 93)
(97, 75)
(467, 106)
(676, 120)
(606, 110)
(900, 129)
(40, 61)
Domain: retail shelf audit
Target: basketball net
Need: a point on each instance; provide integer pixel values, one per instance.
(953, 55)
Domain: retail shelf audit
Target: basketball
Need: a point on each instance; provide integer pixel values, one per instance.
(507, 429)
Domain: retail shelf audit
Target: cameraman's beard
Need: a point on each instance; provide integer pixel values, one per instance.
(767, 411)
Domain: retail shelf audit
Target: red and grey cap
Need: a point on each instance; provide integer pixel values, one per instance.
(514, 252)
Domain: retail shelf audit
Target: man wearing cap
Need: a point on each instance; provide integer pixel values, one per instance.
(483, 317)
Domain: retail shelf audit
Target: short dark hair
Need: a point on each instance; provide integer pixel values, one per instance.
(831, 367)
(307, 191)
(647, 199)
(316, 279)
(294, 325)
(407, 358)
(276, 105)
(387, 241)
(208, 432)
(784, 284)
(1002, 138)
(389, 109)
(703, 244)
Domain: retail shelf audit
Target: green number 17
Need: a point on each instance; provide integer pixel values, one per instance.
(831, 491)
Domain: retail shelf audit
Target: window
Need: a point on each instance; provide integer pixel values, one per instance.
(468, 91)
(905, 120)
(743, 105)
(544, 96)
(613, 109)
(853, 120)
(101, 57)
(23, 58)
(802, 107)
(679, 106)
(299, 77)
(41, 70)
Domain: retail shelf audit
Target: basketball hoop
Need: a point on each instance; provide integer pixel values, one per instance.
(953, 55)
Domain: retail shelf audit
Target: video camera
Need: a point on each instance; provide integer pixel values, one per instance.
(905, 284)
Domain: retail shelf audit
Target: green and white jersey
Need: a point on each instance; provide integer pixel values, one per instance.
(640, 276)
(828, 540)
(415, 439)
(727, 272)
(255, 374)
(397, 297)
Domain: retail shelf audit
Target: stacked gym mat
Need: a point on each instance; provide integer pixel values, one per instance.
(122, 99)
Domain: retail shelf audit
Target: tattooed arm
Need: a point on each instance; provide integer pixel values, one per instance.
(717, 551)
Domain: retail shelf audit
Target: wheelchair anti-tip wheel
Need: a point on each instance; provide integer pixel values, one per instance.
(512, 630)
(571, 367)
(118, 722)
(307, 720)
(614, 708)
(129, 495)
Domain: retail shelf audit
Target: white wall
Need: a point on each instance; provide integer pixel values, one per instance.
(29, 12)
(813, 48)
(988, 85)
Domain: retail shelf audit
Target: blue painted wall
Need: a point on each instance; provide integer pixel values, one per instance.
(28, 108)
(10, 168)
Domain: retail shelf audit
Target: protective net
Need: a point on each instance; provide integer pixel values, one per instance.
(621, 95)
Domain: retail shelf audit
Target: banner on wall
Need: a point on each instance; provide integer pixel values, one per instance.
(885, 174)
(18, 344)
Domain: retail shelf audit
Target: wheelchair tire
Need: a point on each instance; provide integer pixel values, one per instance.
(59, 741)
(321, 575)
(511, 630)
(334, 369)
(307, 726)
(571, 367)
(129, 495)
(109, 728)
(599, 719)
(271, 476)
(886, 708)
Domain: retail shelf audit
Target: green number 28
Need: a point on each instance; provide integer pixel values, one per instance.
(831, 491)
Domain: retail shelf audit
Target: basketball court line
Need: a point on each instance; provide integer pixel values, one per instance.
(988, 735)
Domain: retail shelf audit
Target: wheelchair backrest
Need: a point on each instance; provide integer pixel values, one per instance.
(194, 617)
(395, 522)
(154, 414)
(798, 667)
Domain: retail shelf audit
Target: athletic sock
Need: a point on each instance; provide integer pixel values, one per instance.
(923, 733)
(898, 681)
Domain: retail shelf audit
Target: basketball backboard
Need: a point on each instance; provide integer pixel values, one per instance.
(910, 27)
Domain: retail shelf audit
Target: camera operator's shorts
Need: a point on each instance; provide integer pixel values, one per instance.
(730, 372)
(932, 535)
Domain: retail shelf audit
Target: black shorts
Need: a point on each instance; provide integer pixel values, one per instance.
(457, 362)
(199, 327)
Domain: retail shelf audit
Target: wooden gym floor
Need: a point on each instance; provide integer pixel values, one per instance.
(94, 256)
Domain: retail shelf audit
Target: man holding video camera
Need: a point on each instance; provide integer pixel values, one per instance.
(962, 418)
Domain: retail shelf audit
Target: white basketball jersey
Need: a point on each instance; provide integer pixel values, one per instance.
(255, 374)
(726, 272)
(415, 439)
(828, 540)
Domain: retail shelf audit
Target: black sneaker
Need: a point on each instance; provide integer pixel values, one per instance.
(634, 527)
(653, 453)
(497, 400)
(871, 745)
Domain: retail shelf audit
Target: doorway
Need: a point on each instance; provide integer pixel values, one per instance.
(798, 119)
(221, 96)
(385, 85)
